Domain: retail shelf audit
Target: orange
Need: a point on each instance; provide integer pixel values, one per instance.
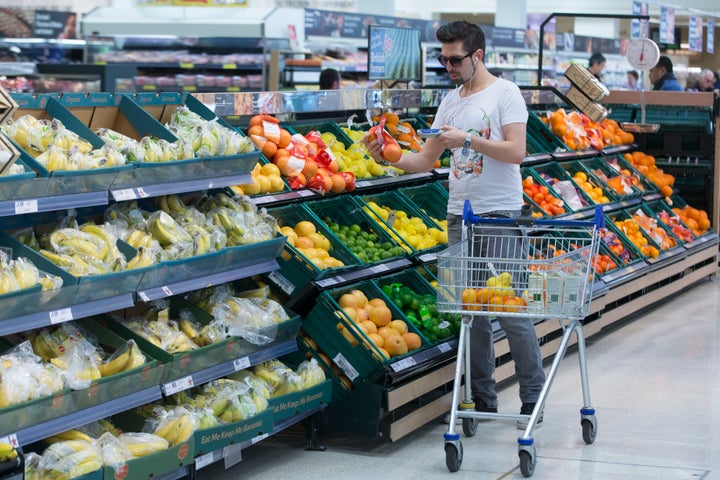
(395, 345)
(304, 228)
(285, 137)
(387, 332)
(303, 242)
(392, 152)
(380, 316)
(412, 340)
(349, 300)
(363, 298)
(377, 302)
(369, 326)
(378, 340)
(469, 299)
(400, 326)
(362, 314)
(351, 313)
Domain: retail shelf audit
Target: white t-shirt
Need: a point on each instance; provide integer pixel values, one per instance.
(488, 184)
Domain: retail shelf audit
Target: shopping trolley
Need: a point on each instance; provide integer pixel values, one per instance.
(524, 269)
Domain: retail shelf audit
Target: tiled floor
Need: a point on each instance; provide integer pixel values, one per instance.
(654, 381)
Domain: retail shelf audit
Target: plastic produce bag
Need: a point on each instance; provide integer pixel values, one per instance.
(113, 451)
(140, 444)
(242, 318)
(311, 373)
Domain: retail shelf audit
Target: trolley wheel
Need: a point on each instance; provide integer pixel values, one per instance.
(589, 431)
(469, 426)
(527, 463)
(453, 456)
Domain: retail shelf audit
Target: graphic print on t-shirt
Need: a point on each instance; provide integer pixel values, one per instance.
(466, 161)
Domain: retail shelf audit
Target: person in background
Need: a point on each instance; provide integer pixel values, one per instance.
(706, 81)
(662, 76)
(484, 123)
(329, 79)
(717, 79)
(596, 64)
(632, 80)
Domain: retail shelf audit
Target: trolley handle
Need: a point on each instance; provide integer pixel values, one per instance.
(525, 219)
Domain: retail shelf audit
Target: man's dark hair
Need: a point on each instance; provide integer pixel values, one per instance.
(634, 73)
(328, 77)
(472, 36)
(665, 62)
(596, 58)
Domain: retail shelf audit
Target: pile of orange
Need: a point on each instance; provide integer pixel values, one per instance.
(593, 191)
(696, 220)
(631, 229)
(372, 324)
(603, 263)
(492, 300)
(578, 132)
(543, 197)
(646, 165)
(654, 230)
(402, 131)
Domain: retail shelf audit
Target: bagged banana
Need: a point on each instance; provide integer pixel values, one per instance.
(243, 318)
(127, 146)
(24, 377)
(113, 452)
(311, 373)
(176, 425)
(69, 459)
(141, 444)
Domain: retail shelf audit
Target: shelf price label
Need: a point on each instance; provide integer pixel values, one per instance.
(346, 366)
(379, 268)
(26, 206)
(241, 363)
(10, 440)
(282, 282)
(444, 347)
(204, 460)
(229, 66)
(124, 194)
(187, 65)
(178, 385)
(60, 316)
(403, 364)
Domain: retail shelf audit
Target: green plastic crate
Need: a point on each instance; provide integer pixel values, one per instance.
(353, 351)
(341, 212)
(575, 166)
(528, 172)
(551, 172)
(431, 199)
(621, 215)
(540, 139)
(655, 229)
(417, 299)
(395, 202)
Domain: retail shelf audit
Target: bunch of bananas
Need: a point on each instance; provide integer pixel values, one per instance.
(283, 380)
(176, 427)
(17, 274)
(207, 138)
(157, 328)
(127, 357)
(240, 218)
(68, 459)
(23, 377)
(57, 148)
(88, 250)
(202, 336)
(142, 444)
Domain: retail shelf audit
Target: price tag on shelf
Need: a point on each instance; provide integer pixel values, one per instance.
(362, 184)
(166, 290)
(171, 388)
(143, 296)
(124, 194)
(11, 440)
(229, 66)
(187, 65)
(281, 282)
(241, 363)
(403, 364)
(305, 193)
(204, 460)
(26, 206)
(346, 366)
(142, 193)
(326, 282)
(379, 268)
(444, 347)
(254, 440)
(428, 257)
(60, 316)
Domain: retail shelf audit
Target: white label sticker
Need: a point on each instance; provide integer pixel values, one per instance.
(346, 366)
(124, 194)
(282, 282)
(241, 363)
(26, 206)
(10, 439)
(428, 257)
(362, 184)
(379, 268)
(271, 129)
(254, 440)
(305, 193)
(444, 347)
(403, 364)
(166, 290)
(143, 296)
(59, 316)
(204, 460)
(178, 385)
(142, 193)
(327, 282)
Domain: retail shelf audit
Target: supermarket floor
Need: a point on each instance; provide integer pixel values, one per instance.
(654, 381)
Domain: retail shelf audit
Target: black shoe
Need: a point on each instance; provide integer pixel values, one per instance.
(527, 409)
(481, 406)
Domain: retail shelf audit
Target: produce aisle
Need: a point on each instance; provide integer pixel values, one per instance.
(655, 383)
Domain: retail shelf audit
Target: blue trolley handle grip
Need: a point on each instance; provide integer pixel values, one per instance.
(525, 219)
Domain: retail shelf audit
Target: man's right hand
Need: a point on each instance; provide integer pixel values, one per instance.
(374, 147)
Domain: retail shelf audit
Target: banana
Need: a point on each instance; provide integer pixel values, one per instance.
(219, 405)
(188, 328)
(85, 461)
(137, 358)
(142, 444)
(41, 347)
(179, 429)
(106, 426)
(143, 258)
(176, 205)
(165, 429)
(7, 452)
(261, 403)
(119, 361)
(104, 240)
(166, 230)
(73, 434)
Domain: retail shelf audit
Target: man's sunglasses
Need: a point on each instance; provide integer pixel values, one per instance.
(454, 61)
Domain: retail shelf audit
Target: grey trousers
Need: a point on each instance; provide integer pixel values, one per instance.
(522, 340)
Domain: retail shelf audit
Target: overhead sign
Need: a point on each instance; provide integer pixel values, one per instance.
(710, 33)
(695, 34)
(667, 25)
(639, 28)
(55, 24)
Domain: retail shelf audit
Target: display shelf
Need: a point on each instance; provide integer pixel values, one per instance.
(124, 193)
(34, 202)
(81, 417)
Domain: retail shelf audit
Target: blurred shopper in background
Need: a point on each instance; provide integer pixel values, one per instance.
(596, 64)
(329, 79)
(662, 76)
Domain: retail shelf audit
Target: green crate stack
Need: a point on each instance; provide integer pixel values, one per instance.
(573, 167)
(550, 174)
(648, 246)
(623, 249)
(431, 199)
(540, 139)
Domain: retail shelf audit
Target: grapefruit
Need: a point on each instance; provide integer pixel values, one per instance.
(400, 326)
(395, 345)
(412, 340)
(380, 316)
